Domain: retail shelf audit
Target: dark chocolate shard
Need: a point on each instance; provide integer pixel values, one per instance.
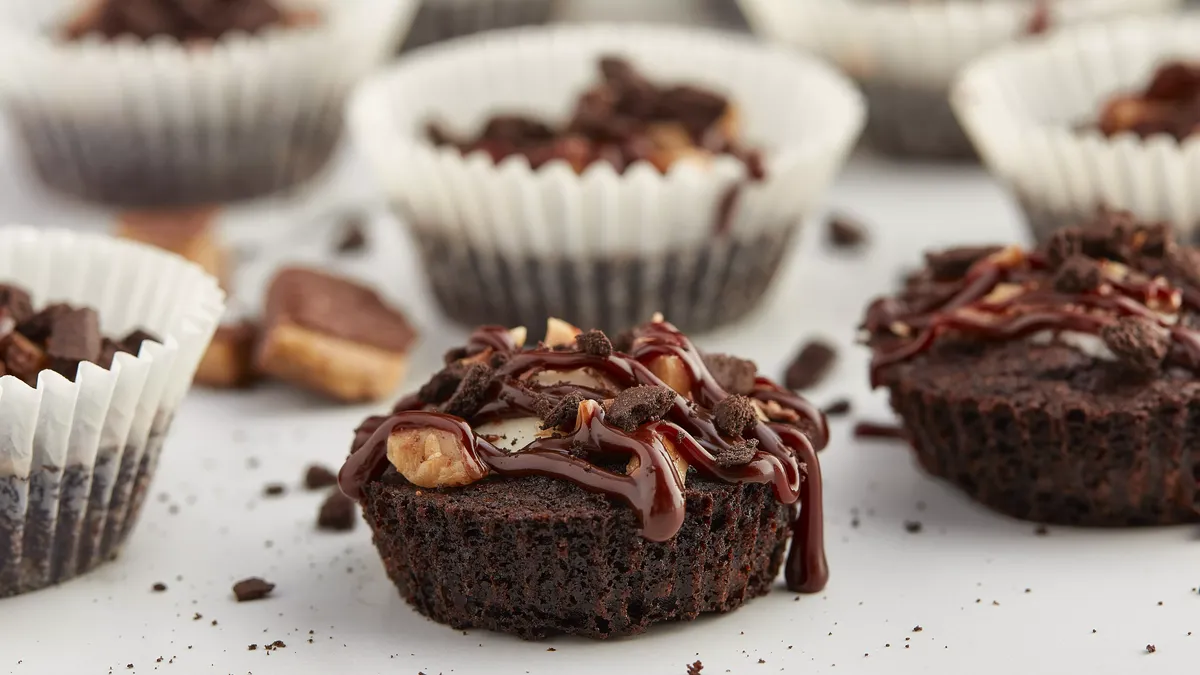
(595, 343)
(639, 405)
(811, 365)
(1138, 343)
(734, 414)
(37, 326)
(74, 338)
(734, 375)
(132, 343)
(471, 393)
(560, 414)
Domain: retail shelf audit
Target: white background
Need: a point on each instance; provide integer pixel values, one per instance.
(1093, 597)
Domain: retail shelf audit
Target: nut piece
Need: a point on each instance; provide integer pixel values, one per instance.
(674, 373)
(432, 458)
(518, 335)
(681, 465)
(559, 333)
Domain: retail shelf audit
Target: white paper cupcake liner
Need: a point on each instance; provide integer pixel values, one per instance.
(163, 124)
(1029, 108)
(508, 244)
(906, 53)
(439, 20)
(76, 457)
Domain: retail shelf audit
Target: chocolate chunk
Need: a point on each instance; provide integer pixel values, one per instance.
(132, 343)
(15, 303)
(639, 405)
(1139, 344)
(442, 386)
(317, 477)
(1076, 275)
(1064, 244)
(734, 414)
(23, 359)
(954, 263)
(469, 396)
(74, 338)
(337, 513)
(595, 342)
(838, 408)
(844, 232)
(734, 375)
(37, 327)
(811, 365)
(560, 414)
(353, 238)
(252, 589)
(737, 453)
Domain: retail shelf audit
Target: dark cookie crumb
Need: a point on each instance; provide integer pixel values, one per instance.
(337, 513)
(560, 415)
(639, 405)
(734, 414)
(252, 647)
(353, 237)
(159, 587)
(838, 408)
(442, 385)
(917, 629)
(734, 375)
(695, 668)
(1150, 649)
(845, 232)
(318, 477)
(913, 526)
(1076, 275)
(274, 490)
(811, 365)
(737, 454)
(252, 588)
(595, 343)
(1139, 344)
(952, 264)
(471, 391)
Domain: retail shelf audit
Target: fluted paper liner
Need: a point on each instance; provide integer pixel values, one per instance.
(76, 457)
(507, 244)
(1029, 110)
(165, 124)
(439, 20)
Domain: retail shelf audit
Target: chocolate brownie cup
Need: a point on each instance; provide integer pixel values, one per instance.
(591, 488)
(1083, 404)
(439, 20)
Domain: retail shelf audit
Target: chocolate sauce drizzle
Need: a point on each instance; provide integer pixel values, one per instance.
(1037, 307)
(786, 456)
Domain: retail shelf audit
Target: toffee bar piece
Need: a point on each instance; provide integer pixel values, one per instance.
(591, 487)
(188, 233)
(333, 336)
(1057, 385)
(229, 361)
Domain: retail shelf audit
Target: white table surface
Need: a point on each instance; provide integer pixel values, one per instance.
(991, 595)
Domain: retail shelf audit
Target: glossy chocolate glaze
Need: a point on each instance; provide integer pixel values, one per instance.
(1038, 307)
(786, 452)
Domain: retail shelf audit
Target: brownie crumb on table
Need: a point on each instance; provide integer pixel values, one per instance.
(252, 588)
(845, 232)
(811, 365)
(159, 587)
(838, 408)
(695, 668)
(338, 513)
(1150, 649)
(353, 236)
(317, 477)
(274, 489)
(913, 526)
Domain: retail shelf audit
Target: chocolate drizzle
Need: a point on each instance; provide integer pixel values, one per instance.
(785, 454)
(1011, 294)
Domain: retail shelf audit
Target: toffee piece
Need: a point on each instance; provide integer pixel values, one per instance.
(333, 336)
(562, 509)
(1169, 104)
(1053, 384)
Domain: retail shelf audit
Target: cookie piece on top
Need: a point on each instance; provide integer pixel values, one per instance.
(1058, 384)
(333, 336)
(587, 489)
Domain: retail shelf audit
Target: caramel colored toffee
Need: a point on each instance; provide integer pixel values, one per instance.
(1127, 284)
(656, 407)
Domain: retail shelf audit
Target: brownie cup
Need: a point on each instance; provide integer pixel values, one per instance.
(589, 488)
(1082, 403)
(676, 181)
(905, 54)
(86, 414)
(439, 20)
(167, 103)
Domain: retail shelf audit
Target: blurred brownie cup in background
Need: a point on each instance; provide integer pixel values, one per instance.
(905, 53)
(604, 173)
(96, 358)
(162, 103)
(591, 486)
(1059, 384)
(1094, 117)
(439, 20)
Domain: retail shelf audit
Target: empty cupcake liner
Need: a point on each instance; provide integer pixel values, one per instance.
(1031, 109)
(503, 243)
(164, 124)
(906, 53)
(76, 457)
(439, 20)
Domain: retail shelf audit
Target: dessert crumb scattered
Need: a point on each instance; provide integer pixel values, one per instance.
(1150, 649)
(252, 588)
(159, 587)
(913, 526)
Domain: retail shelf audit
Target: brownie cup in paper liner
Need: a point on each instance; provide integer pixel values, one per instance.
(1058, 385)
(159, 103)
(1096, 117)
(591, 486)
(905, 53)
(439, 20)
(621, 170)
(100, 342)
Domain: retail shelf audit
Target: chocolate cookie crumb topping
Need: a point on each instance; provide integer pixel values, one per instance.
(337, 513)
(471, 391)
(734, 414)
(810, 366)
(595, 342)
(737, 454)
(1139, 343)
(636, 406)
(1077, 274)
(562, 414)
(952, 264)
(252, 589)
(732, 374)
